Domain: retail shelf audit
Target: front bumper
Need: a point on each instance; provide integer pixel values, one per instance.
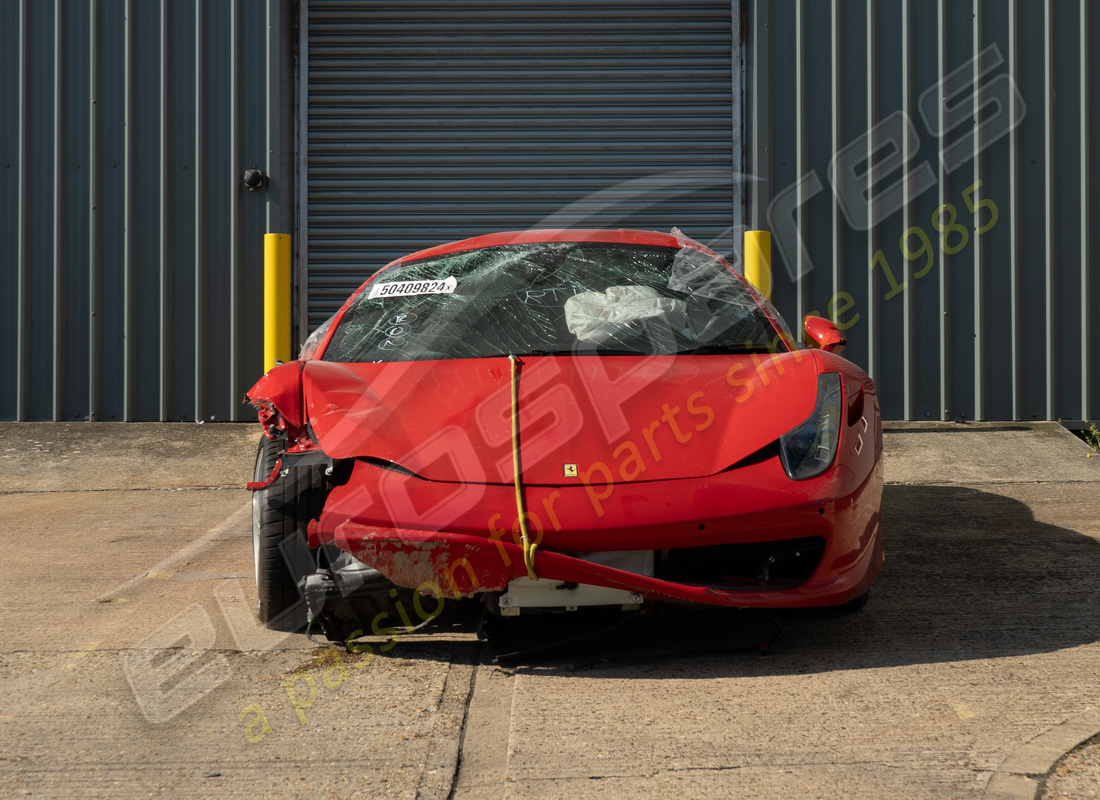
(474, 552)
(458, 565)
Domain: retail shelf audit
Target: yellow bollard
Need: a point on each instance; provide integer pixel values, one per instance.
(276, 298)
(758, 261)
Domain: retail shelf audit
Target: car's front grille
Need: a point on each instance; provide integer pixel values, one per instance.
(755, 565)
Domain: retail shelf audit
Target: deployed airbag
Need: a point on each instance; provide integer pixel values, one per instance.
(601, 317)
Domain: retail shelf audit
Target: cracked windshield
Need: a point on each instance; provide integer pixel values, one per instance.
(553, 298)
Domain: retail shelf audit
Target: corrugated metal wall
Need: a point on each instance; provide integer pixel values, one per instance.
(130, 252)
(984, 315)
(434, 120)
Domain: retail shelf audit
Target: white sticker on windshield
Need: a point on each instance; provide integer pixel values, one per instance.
(408, 288)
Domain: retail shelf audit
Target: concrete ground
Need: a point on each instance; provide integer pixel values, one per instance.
(131, 664)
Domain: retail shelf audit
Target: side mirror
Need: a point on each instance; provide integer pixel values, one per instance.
(822, 333)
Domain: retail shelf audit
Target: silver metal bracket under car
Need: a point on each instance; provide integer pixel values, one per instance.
(526, 593)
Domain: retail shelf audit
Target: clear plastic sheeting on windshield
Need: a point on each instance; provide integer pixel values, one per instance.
(694, 273)
(533, 299)
(309, 348)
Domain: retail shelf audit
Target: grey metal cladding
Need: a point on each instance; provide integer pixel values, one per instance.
(131, 255)
(1003, 327)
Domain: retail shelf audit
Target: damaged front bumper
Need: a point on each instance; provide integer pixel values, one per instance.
(748, 510)
(456, 565)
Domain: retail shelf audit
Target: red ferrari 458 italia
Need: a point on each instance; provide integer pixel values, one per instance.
(559, 419)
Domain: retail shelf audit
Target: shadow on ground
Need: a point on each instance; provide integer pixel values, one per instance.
(968, 575)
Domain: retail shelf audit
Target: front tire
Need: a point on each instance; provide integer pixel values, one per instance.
(280, 549)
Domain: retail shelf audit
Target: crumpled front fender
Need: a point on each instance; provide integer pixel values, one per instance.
(277, 397)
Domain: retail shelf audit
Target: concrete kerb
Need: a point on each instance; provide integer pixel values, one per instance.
(1022, 775)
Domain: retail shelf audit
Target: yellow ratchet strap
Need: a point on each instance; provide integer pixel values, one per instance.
(528, 548)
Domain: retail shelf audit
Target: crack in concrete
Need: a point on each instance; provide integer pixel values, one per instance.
(465, 717)
(440, 766)
(715, 768)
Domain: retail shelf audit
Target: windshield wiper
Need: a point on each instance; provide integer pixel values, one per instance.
(522, 354)
(722, 349)
(706, 349)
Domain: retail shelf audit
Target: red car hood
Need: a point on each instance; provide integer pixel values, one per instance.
(582, 419)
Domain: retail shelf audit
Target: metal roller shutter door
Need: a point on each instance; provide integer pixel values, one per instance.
(430, 121)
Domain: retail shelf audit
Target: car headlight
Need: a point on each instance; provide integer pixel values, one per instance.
(809, 449)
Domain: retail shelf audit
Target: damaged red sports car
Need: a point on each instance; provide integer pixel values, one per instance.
(560, 419)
